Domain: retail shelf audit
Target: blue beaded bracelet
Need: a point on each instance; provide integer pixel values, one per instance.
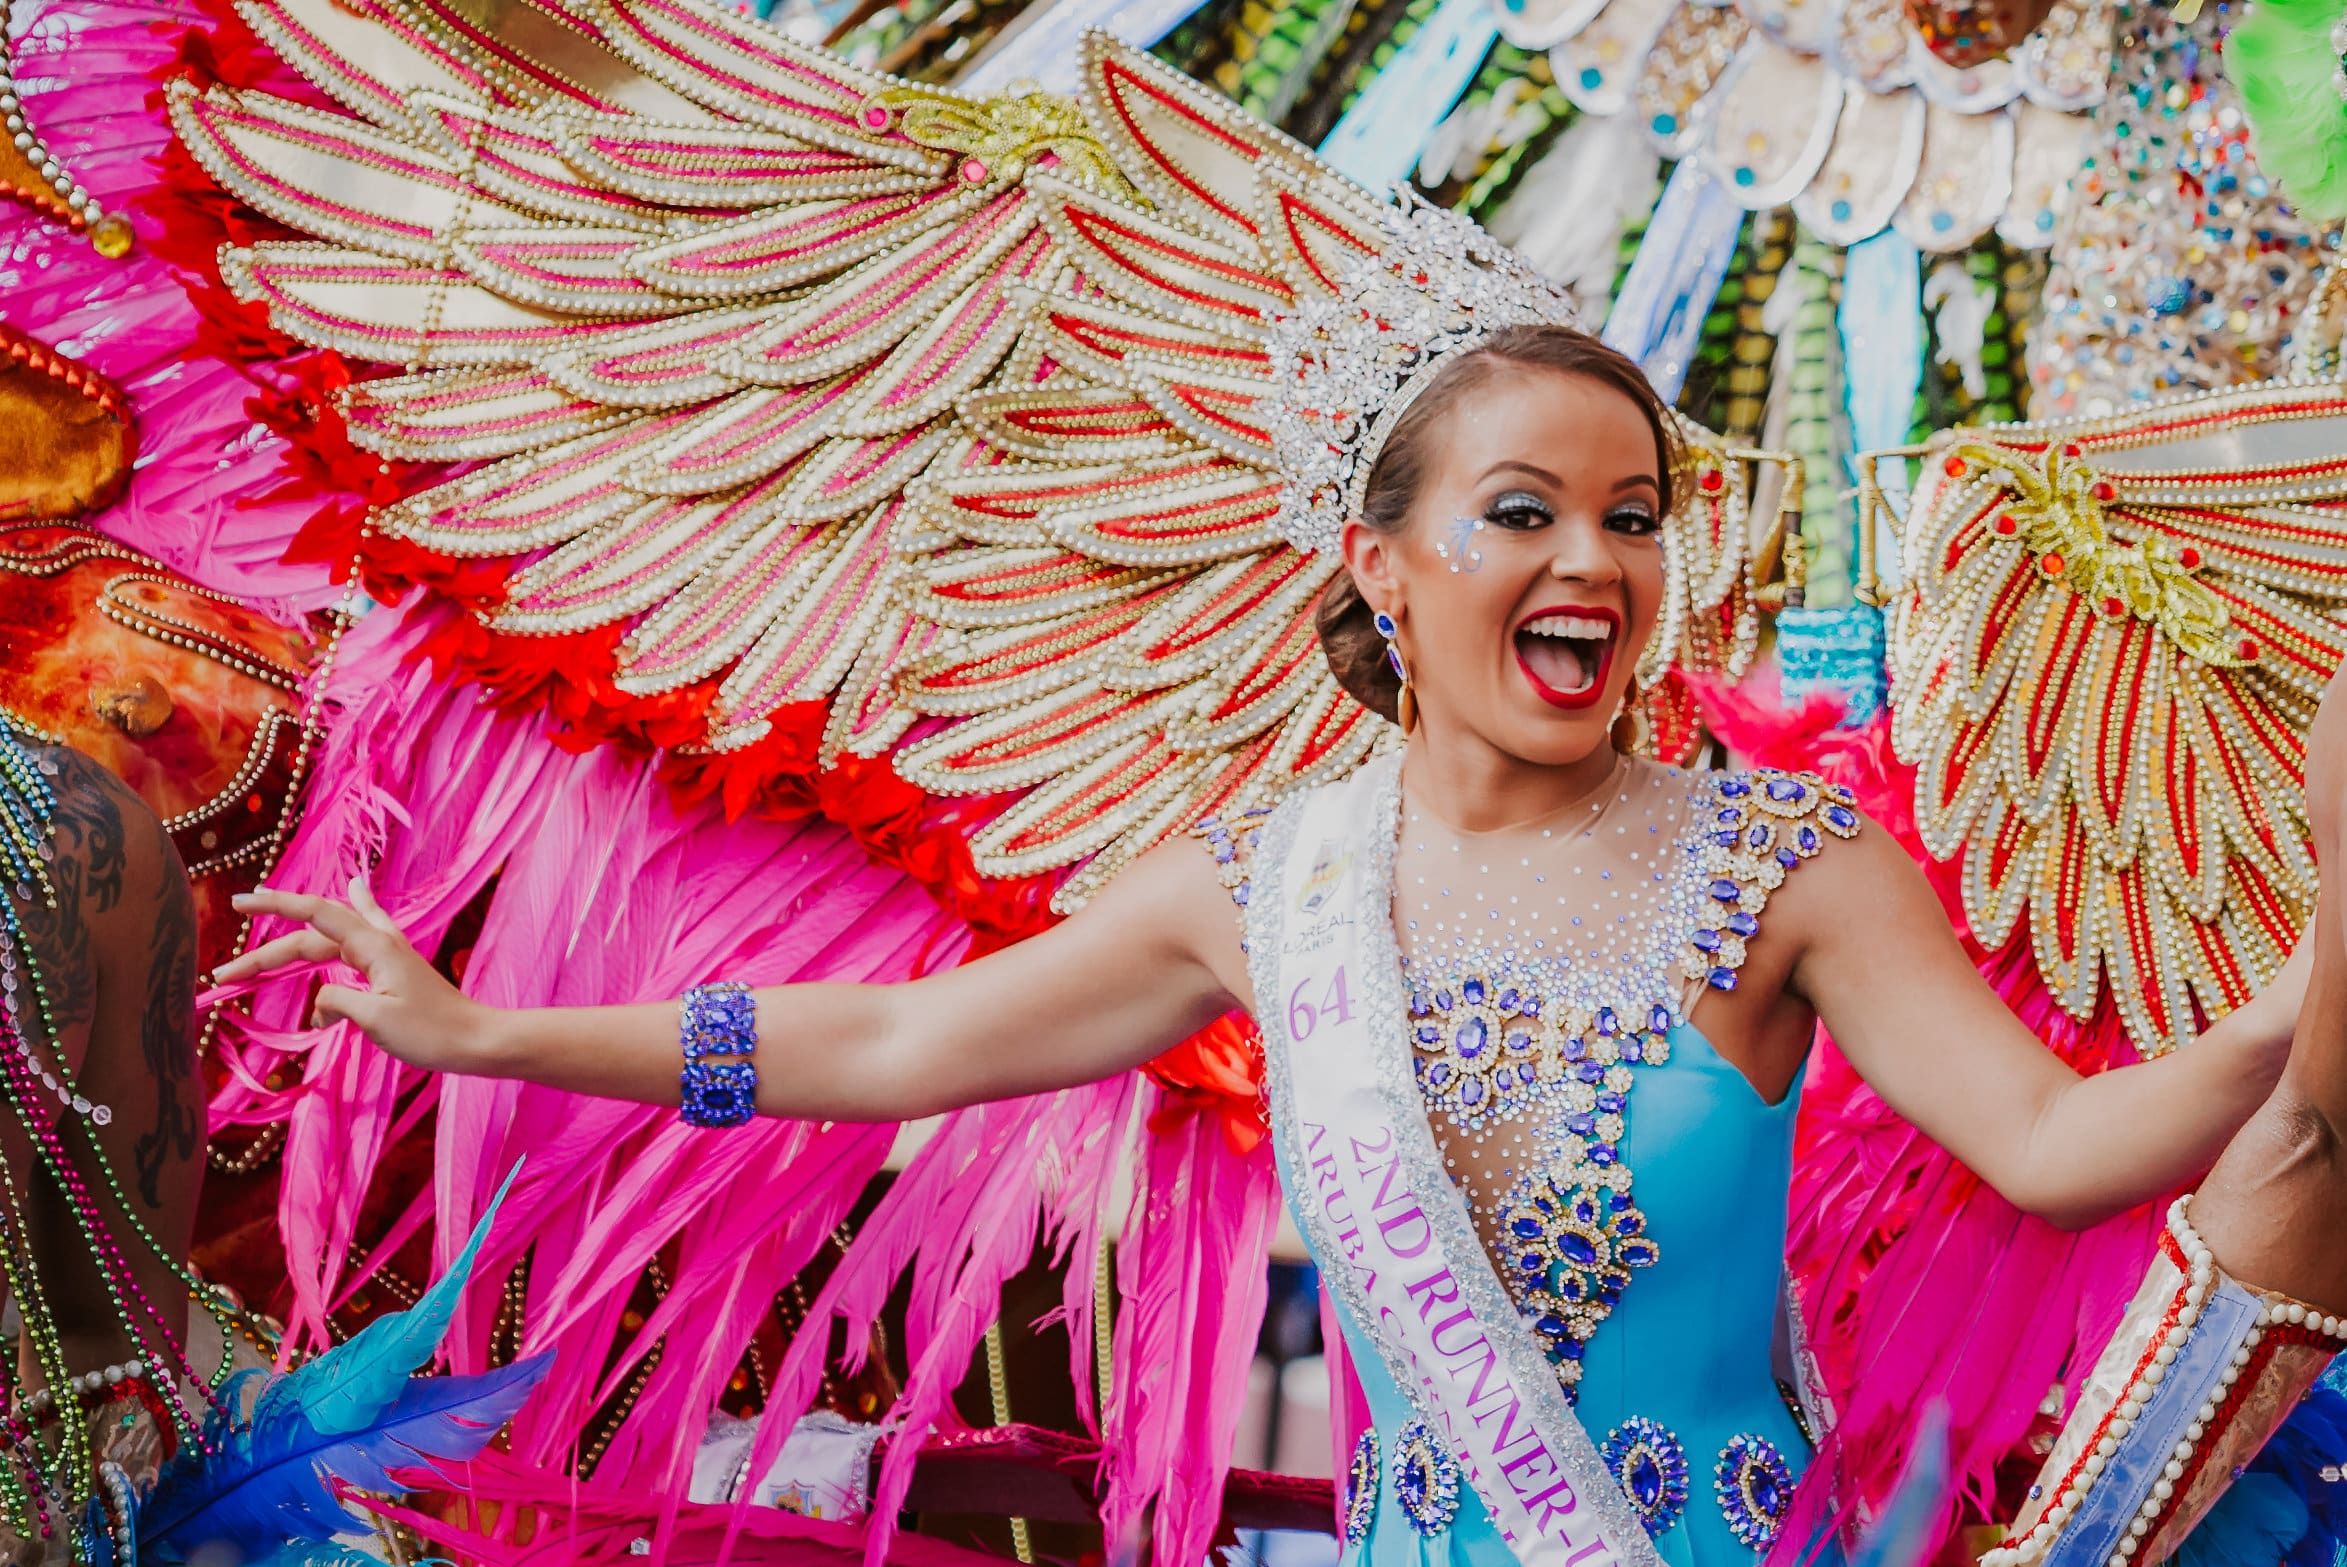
(719, 1021)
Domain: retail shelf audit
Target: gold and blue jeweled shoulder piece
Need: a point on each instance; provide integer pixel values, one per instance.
(1763, 823)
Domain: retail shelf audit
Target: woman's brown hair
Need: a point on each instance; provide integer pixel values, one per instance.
(1356, 653)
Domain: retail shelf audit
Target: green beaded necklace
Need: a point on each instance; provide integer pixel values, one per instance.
(42, 1493)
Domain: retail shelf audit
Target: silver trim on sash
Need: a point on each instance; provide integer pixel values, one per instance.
(1378, 786)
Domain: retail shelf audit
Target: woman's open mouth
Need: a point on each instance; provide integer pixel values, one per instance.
(1566, 653)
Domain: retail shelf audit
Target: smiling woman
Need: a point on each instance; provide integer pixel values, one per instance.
(1468, 959)
(1453, 466)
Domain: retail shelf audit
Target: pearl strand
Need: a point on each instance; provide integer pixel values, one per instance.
(128, 1376)
(60, 194)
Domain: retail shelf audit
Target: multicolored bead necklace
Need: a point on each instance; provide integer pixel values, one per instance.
(38, 1487)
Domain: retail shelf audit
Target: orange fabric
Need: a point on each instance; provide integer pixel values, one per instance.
(205, 744)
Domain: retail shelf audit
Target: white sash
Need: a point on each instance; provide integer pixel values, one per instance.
(1373, 1191)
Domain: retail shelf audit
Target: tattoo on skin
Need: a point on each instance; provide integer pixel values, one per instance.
(166, 1032)
(92, 858)
(91, 874)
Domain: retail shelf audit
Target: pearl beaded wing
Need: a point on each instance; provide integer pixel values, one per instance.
(2113, 642)
(825, 387)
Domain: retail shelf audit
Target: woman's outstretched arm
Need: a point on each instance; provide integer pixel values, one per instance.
(1152, 959)
(1905, 1004)
(1913, 1015)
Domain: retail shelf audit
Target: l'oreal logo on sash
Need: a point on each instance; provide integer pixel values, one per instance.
(1329, 865)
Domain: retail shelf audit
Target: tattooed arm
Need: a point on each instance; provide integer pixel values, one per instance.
(117, 960)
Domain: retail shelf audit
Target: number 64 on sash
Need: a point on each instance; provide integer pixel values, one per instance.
(1335, 1005)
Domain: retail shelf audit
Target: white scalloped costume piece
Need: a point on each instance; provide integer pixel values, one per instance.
(1822, 104)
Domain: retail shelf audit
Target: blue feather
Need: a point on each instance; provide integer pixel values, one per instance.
(2282, 1509)
(264, 1493)
(272, 1481)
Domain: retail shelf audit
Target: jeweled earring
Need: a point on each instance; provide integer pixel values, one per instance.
(1630, 730)
(1405, 704)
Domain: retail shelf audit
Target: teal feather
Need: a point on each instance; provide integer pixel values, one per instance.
(1905, 1528)
(317, 1553)
(343, 1389)
(268, 1491)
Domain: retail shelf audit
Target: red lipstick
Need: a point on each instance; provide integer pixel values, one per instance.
(1587, 696)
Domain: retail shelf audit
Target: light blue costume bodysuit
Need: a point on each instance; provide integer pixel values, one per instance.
(1629, 1184)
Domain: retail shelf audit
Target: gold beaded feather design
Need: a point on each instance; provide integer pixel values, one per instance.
(948, 413)
(2114, 638)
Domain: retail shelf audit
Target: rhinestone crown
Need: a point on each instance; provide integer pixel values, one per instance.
(1344, 370)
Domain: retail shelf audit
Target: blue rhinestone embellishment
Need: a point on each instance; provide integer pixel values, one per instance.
(1500, 1048)
(1228, 842)
(1426, 1479)
(1495, 1036)
(1575, 1244)
(718, 1029)
(1361, 1488)
(1650, 1464)
(1755, 1489)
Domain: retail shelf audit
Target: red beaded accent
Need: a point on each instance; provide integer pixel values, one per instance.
(2151, 1349)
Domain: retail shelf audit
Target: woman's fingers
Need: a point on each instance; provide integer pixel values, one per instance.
(362, 898)
(393, 1008)
(340, 1003)
(361, 936)
(303, 946)
(335, 919)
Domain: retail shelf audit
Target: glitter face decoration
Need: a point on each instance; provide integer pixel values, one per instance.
(1458, 549)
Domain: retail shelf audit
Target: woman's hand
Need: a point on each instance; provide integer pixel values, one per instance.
(2272, 1208)
(406, 1008)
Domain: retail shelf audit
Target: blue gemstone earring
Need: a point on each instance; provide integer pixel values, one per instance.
(1405, 701)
